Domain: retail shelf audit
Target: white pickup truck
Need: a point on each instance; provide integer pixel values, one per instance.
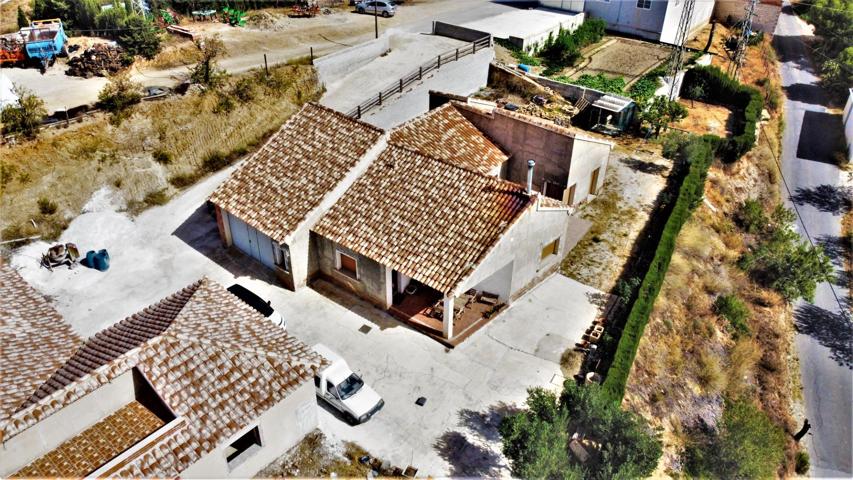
(344, 390)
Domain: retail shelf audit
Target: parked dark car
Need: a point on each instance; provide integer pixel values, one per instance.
(263, 307)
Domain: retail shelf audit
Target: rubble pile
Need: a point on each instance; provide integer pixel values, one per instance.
(100, 60)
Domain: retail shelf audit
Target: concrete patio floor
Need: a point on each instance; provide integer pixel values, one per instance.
(468, 389)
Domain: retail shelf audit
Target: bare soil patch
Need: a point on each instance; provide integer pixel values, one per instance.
(625, 57)
(634, 180)
(705, 118)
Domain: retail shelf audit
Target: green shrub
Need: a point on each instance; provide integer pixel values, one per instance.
(748, 445)
(735, 311)
(182, 180)
(163, 157)
(213, 161)
(157, 197)
(518, 54)
(25, 116)
(644, 88)
(802, 463)
(47, 206)
(564, 49)
(598, 82)
(750, 216)
(119, 96)
(696, 153)
(718, 87)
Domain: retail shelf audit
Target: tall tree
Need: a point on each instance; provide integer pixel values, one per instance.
(23, 21)
(620, 444)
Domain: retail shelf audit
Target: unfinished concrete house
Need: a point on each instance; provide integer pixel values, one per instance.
(268, 206)
(171, 391)
(570, 167)
(440, 221)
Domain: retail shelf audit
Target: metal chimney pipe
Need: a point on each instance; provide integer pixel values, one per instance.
(530, 165)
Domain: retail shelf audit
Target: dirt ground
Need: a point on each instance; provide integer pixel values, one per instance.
(635, 177)
(622, 57)
(9, 14)
(705, 118)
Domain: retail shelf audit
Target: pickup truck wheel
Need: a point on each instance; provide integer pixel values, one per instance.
(360, 10)
(350, 419)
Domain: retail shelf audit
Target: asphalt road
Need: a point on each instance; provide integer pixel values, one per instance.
(821, 193)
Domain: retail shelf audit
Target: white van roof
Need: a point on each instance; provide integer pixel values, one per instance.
(338, 371)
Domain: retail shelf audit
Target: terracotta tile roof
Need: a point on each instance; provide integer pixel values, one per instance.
(289, 176)
(218, 365)
(425, 218)
(446, 134)
(116, 340)
(95, 446)
(34, 340)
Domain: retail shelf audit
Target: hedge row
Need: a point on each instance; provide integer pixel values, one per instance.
(719, 88)
(695, 155)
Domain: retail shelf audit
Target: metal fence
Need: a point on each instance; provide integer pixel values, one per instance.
(418, 75)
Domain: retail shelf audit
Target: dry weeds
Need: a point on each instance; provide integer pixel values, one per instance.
(68, 165)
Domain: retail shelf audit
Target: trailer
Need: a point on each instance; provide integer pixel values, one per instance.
(45, 40)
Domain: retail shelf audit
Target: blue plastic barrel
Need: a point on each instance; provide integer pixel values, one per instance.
(90, 259)
(102, 261)
(524, 67)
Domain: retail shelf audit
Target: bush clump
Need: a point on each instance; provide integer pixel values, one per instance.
(163, 157)
(213, 161)
(565, 49)
(748, 445)
(717, 87)
(598, 81)
(47, 206)
(733, 309)
(119, 96)
(802, 463)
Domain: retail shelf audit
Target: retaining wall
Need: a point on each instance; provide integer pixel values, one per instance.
(457, 32)
(343, 62)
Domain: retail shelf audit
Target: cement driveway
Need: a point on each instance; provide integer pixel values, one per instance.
(468, 389)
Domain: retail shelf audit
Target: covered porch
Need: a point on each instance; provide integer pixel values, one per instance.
(446, 318)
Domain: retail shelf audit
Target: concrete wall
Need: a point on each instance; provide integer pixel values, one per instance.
(372, 283)
(766, 13)
(573, 93)
(560, 159)
(569, 5)
(534, 41)
(847, 117)
(457, 32)
(522, 244)
(702, 11)
(281, 428)
(624, 16)
(339, 64)
(49, 433)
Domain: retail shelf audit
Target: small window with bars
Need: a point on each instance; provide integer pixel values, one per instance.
(644, 4)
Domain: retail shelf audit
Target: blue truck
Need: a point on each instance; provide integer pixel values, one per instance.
(44, 40)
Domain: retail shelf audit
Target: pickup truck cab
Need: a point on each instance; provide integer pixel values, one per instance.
(345, 391)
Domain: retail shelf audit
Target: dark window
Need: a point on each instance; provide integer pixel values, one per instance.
(644, 4)
(348, 265)
(243, 447)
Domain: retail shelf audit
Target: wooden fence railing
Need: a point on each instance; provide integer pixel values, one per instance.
(417, 75)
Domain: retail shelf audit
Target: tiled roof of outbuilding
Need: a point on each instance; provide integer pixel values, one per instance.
(34, 341)
(446, 134)
(424, 217)
(290, 175)
(218, 365)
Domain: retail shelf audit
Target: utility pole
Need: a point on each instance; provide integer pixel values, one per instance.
(375, 20)
(743, 40)
(676, 59)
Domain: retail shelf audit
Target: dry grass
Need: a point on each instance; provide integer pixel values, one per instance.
(9, 14)
(315, 457)
(68, 165)
(175, 53)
